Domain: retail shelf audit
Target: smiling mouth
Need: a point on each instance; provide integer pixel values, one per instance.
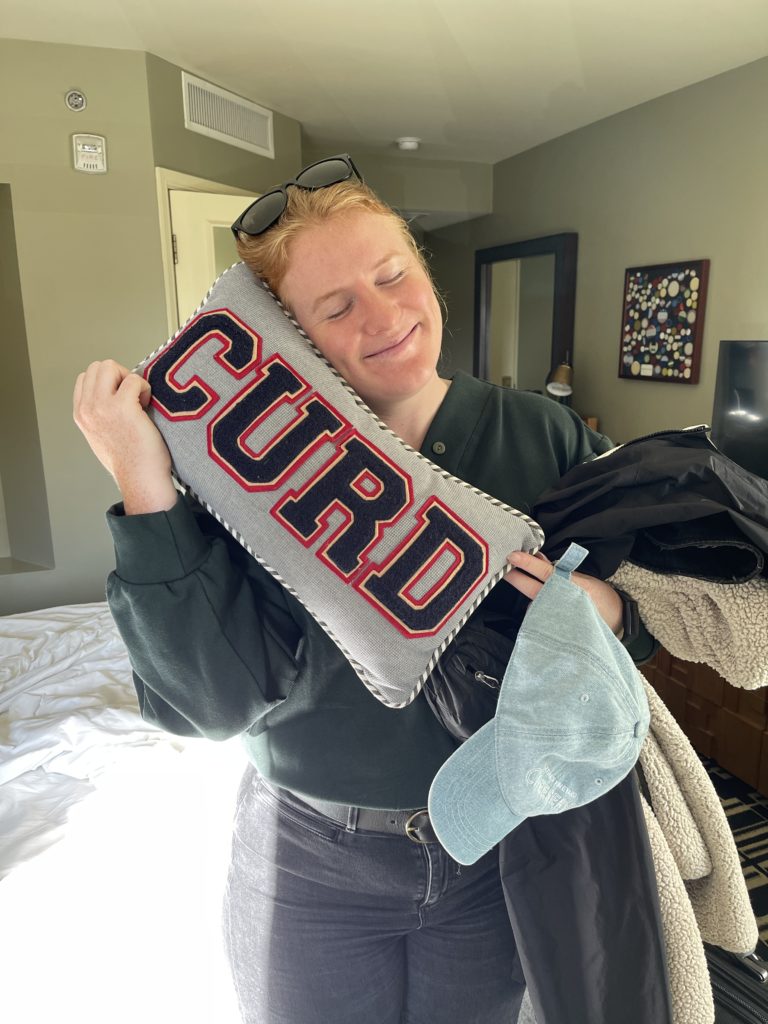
(394, 347)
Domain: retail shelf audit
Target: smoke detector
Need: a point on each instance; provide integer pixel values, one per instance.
(408, 142)
(76, 100)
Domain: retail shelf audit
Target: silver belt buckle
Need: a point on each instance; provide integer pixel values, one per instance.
(412, 827)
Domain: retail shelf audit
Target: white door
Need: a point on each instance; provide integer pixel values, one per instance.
(204, 243)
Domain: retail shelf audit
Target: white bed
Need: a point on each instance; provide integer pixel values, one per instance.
(113, 837)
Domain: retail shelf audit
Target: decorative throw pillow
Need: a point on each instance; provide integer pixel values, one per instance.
(388, 552)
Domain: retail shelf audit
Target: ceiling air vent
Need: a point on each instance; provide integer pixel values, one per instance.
(224, 116)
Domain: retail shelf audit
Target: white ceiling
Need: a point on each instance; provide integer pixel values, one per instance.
(474, 79)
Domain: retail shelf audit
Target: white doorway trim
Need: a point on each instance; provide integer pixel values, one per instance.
(166, 179)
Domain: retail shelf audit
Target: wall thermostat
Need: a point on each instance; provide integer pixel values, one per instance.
(90, 153)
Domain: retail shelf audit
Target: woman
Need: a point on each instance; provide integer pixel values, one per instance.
(333, 913)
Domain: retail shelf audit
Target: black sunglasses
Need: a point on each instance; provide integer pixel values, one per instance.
(267, 209)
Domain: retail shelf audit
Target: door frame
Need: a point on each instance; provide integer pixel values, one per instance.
(165, 180)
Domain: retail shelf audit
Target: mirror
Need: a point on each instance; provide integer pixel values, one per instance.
(525, 294)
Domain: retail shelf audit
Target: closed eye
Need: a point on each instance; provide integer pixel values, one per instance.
(387, 281)
(392, 280)
(340, 313)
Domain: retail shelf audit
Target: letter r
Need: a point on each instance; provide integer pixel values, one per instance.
(369, 491)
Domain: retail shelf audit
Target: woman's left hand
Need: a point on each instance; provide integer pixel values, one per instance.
(530, 572)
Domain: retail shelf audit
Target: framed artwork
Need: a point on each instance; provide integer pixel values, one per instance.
(663, 322)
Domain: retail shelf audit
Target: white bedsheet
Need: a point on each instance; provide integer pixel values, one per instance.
(113, 837)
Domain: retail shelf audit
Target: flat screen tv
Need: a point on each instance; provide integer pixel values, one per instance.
(740, 414)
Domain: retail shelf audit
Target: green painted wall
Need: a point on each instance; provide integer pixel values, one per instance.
(681, 177)
(90, 278)
(25, 532)
(179, 149)
(89, 274)
(411, 182)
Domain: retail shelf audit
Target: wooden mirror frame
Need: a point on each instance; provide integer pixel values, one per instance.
(564, 247)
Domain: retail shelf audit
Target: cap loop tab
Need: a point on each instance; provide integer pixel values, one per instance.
(571, 559)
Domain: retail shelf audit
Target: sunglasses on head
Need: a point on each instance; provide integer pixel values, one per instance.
(267, 209)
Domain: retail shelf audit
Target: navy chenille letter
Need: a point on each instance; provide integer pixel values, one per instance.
(386, 587)
(365, 514)
(265, 470)
(190, 401)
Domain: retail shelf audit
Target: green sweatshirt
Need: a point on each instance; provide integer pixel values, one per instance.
(219, 648)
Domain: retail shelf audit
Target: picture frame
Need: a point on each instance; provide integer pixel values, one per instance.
(662, 323)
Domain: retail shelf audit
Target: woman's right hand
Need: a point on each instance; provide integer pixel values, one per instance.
(109, 408)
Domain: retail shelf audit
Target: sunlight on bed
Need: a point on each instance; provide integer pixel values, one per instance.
(113, 838)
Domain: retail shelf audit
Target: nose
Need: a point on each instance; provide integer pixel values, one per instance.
(380, 312)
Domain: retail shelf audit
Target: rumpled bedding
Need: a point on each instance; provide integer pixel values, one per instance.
(68, 714)
(114, 837)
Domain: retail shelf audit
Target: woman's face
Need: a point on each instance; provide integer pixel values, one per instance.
(361, 294)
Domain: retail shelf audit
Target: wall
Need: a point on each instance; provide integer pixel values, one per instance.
(681, 177)
(179, 149)
(89, 273)
(90, 278)
(440, 190)
(25, 529)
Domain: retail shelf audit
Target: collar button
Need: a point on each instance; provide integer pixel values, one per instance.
(438, 448)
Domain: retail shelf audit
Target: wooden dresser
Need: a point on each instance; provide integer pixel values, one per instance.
(722, 721)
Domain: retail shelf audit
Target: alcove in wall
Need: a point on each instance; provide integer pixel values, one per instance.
(25, 528)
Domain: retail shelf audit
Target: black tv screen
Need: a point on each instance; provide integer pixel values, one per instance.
(740, 414)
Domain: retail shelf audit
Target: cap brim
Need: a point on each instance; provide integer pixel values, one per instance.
(466, 806)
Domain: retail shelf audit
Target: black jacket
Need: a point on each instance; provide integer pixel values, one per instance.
(669, 502)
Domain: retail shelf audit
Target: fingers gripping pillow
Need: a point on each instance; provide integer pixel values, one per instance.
(388, 552)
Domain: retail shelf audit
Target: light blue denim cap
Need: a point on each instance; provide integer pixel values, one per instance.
(571, 719)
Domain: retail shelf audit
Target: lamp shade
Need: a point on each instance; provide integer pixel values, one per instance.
(560, 381)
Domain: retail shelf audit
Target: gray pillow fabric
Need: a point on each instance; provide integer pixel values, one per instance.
(388, 552)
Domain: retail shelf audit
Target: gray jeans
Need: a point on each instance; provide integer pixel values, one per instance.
(329, 926)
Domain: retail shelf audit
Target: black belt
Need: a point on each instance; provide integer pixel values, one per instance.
(413, 824)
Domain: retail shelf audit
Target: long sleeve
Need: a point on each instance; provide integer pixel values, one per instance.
(210, 635)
